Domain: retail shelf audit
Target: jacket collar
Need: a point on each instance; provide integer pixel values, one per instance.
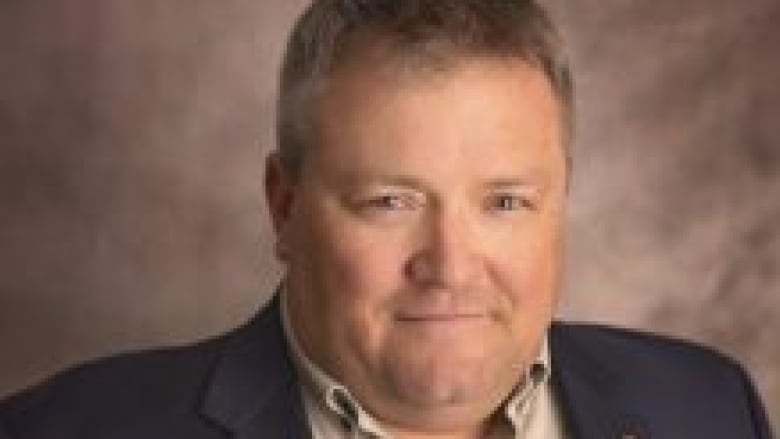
(253, 391)
(589, 390)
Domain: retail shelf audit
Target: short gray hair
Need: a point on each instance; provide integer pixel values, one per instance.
(428, 33)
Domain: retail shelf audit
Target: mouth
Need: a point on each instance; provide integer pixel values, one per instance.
(441, 317)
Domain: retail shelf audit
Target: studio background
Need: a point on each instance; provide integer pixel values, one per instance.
(132, 139)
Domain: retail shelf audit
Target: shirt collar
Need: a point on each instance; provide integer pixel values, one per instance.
(339, 400)
(517, 409)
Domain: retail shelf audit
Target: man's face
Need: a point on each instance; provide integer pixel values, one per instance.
(423, 236)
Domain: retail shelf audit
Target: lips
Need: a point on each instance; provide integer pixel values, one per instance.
(442, 317)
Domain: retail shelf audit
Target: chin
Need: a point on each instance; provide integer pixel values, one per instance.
(444, 408)
(450, 380)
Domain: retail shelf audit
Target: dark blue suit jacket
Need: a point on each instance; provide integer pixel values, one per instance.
(612, 384)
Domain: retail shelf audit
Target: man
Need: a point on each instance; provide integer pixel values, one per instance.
(418, 196)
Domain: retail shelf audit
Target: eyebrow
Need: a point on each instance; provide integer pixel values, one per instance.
(410, 182)
(512, 182)
(388, 180)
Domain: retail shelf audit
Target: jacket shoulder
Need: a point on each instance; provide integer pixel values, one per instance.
(667, 381)
(119, 390)
(634, 345)
(641, 360)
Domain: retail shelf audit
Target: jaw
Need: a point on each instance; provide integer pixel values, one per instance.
(424, 380)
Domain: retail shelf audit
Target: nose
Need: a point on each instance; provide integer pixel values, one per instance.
(447, 255)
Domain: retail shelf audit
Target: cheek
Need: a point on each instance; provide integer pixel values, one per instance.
(357, 269)
(367, 264)
(349, 276)
(362, 276)
(530, 270)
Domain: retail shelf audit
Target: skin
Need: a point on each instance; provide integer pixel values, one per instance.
(423, 237)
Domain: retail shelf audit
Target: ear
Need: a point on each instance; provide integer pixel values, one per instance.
(279, 196)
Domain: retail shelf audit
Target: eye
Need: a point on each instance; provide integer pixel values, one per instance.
(389, 202)
(509, 202)
(386, 202)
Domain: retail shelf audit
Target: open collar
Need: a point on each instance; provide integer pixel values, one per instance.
(253, 391)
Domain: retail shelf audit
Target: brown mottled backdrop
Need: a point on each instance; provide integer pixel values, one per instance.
(132, 137)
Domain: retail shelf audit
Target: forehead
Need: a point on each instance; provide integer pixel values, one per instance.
(490, 113)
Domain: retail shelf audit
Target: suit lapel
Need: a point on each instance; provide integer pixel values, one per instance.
(253, 391)
(589, 390)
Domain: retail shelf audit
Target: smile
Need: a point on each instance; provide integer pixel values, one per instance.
(447, 317)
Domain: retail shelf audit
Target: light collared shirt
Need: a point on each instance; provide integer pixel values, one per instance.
(333, 412)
